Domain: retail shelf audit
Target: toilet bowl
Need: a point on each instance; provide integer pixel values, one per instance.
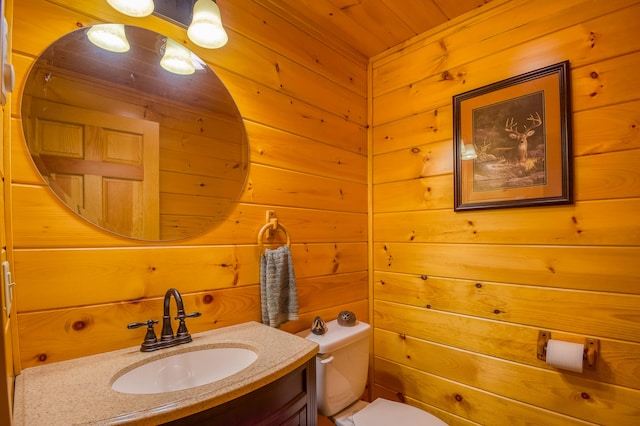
(342, 367)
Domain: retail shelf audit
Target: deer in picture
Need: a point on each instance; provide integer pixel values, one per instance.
(511, 127)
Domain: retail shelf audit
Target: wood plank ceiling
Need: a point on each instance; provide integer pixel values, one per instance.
(364, 28)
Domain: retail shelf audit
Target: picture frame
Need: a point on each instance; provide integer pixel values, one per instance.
(519, 130)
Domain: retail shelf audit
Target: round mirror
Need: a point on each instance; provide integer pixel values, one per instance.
(145, 141)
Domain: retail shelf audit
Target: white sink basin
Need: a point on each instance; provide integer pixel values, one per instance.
(184, 370)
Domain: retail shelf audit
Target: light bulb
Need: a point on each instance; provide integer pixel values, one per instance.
(109, 37)
(206, 28)
(135, 8)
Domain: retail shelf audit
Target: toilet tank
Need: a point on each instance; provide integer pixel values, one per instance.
(342, 365)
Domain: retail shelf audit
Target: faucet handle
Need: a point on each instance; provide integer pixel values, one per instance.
(182, 317)
(182, 327)
(148, 323)
(150, 338)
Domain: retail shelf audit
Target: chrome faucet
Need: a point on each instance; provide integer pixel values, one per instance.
(167, 338)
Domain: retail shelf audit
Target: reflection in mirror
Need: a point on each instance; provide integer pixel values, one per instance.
(131, 147)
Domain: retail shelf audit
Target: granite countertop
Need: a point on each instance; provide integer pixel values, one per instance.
(78, 391)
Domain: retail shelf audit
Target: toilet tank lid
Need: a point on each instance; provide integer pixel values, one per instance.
(337, 335)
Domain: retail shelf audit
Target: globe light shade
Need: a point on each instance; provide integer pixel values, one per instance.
(109, 37)
(206, 28)
(177, 59)
(135, 8)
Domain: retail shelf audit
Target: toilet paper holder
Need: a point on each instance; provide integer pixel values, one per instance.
(591, 349)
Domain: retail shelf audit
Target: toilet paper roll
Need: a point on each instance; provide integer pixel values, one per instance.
(565, 355)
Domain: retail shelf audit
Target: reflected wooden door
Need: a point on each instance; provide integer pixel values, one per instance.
(105, 167)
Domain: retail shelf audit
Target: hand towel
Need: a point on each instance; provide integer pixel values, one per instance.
(279, 296)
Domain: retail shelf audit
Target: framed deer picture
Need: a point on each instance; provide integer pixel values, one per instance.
(512, 144)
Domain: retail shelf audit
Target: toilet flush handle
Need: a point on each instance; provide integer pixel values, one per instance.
(326, 360)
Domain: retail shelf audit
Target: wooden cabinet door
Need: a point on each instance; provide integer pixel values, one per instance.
(105, 167)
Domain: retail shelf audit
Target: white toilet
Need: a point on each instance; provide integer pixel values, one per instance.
(341, 370)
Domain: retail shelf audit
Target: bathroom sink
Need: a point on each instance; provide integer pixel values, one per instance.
(184, 370)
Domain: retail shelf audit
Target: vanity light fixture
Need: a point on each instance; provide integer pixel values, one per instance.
(200, 17)
(177, 58)
(109, 37)
(135, 8)
(206, 28)
(467, 152)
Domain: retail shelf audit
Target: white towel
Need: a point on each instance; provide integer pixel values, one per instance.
(278, 287)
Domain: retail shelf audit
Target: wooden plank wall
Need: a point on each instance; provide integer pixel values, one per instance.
(459, 298)
(304, 109)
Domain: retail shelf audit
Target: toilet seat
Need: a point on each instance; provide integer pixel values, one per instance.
(383, 412)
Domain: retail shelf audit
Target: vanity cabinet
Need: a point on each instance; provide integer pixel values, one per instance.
(278, 388)
(288, 401)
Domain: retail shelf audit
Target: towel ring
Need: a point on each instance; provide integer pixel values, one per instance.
(274, 225)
